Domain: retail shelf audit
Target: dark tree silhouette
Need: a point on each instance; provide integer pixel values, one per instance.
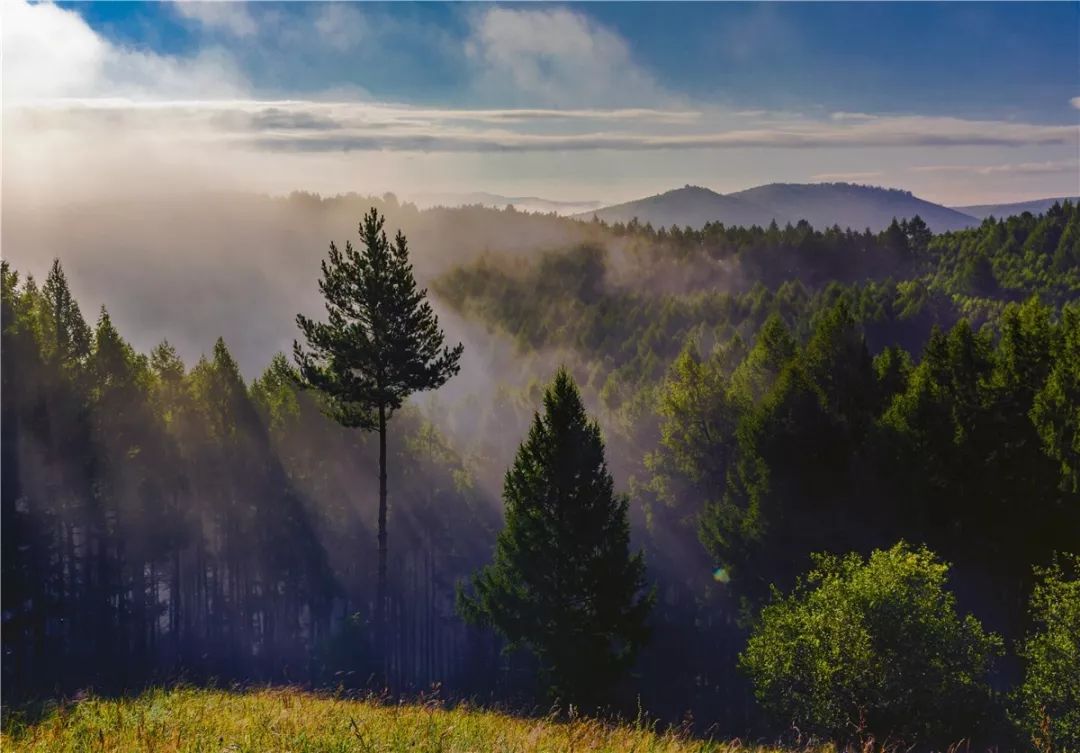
(564, 584)
(380, 343)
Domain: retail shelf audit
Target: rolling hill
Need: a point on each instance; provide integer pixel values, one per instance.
(821, 204)
(498, 201)
(690, 205)
(1036, 206)
(849, 205)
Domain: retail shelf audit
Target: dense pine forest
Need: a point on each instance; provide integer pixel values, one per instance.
(780, 431)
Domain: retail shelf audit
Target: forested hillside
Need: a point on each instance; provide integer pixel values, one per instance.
(764, 394)
(821, 204)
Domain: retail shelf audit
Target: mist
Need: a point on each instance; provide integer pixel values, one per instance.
(783, 359)
(192, 267)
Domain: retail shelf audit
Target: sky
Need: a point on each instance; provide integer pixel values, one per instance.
(960, 103)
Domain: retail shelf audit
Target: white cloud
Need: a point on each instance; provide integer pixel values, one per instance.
(756, 30)
(340, 26)
(851, 116)
(852, 177)
(303, 125)
(51, 52)
(1048, 167)
(891, 133)
(75, 149)
(90, 116)
(557, 57)
(232, 17)
(1075, 102)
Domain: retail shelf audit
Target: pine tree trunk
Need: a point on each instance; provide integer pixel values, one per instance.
(176, 605)
(380, 591)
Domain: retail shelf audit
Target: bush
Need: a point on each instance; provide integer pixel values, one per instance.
(1048, 700)
(875, 649)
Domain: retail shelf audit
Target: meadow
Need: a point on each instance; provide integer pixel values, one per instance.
(286, 720)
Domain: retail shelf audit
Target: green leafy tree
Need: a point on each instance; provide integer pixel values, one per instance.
(893, 370)
(895, 240)
(275, 392)
(563, 583)
(872, 648)
(1056, 409)
(795, 461)
(773, 349)
(919, 235)
(697, 427)
(381, 342)
(940, 424)
(1048, 700)
(66, 337)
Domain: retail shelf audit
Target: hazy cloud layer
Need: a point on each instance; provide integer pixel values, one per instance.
(1050, 167)
(92, 116)
(148, 145)
(850, 177)
(340, 126)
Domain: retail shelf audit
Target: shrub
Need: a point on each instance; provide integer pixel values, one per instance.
(1048, 700)
(875, 649)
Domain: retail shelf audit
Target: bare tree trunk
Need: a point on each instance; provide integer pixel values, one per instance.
(381, 591)
(176, 603)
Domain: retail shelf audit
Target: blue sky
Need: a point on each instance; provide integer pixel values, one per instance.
(961, 103)
(997, 60)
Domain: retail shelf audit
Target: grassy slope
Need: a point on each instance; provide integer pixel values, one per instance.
(268, 721)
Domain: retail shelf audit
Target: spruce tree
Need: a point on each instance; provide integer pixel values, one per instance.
(563, 584)
(380, 343)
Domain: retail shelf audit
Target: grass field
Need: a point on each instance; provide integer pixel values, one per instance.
(280, 720)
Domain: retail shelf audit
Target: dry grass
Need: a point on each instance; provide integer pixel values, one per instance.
(280, 720)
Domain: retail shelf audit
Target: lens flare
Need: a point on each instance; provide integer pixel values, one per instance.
(720, 575)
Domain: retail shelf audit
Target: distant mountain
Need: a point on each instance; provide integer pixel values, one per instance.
(848, 205)
(1037, 206)
(497, 201)
(691, 205)
(821, 204)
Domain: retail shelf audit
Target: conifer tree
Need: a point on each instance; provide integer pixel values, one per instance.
(67, 337)
(380, 343)
(563, 583)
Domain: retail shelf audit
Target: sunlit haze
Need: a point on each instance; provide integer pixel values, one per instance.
(579, 103)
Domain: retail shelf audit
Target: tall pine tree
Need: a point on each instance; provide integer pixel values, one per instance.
(563, 583)
(380, 343)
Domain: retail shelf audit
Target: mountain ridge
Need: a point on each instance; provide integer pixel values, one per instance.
(1008, 209)
(689, 205)
(847, 205)
(537, 204)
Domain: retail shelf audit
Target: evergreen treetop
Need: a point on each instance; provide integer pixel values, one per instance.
(563, 583)
(381, 340)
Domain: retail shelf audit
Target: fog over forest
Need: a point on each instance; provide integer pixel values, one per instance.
(194, 267)
(766, 419)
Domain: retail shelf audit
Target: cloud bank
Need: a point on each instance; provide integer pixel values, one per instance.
(1050, 167)
(91, 115)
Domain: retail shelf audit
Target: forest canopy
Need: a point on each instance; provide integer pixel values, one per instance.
(763, 396)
